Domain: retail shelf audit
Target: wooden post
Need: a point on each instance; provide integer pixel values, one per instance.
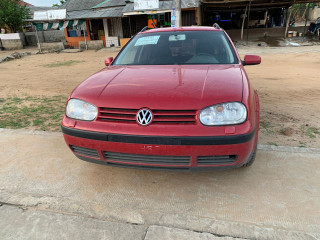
(288, 21)
(265, 19)
(39, 46)
(248, 22)
(130, 26)
(244, 19)
(305, 25)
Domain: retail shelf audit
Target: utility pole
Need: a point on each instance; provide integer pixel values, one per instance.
(178, 13)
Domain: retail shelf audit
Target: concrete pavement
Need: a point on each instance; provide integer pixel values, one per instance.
(277, 198)
(34, 224)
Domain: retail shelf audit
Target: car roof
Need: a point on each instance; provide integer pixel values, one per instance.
(175, 29)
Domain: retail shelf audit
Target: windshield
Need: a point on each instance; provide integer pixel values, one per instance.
(183, 47)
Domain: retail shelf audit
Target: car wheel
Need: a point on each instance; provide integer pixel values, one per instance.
(251, 158)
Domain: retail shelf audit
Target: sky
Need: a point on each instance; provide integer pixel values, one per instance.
(47, 3)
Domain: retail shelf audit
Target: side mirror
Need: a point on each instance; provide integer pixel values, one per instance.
(251, 60)
(108, 61)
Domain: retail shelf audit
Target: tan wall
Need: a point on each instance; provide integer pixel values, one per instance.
(94, 44)
(52, 47)
(12, 44)
(315, 13)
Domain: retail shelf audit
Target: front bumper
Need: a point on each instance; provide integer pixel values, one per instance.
(155, 152)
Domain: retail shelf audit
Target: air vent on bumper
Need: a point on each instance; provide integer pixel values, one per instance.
(85, 151)
(147, 159)
(216, 160)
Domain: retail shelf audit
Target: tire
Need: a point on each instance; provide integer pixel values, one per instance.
(251, 158)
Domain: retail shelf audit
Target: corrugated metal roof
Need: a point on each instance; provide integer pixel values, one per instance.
(36, 8)
(89, 14)
(111, 3)
(254, 3)
(165, 5)
(77, 5)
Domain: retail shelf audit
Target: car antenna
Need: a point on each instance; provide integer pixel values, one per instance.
(216, 25)
(144, 29)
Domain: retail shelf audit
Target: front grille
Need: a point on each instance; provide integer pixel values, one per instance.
(85, 151)
(147, 159)
(216, 160)
(159, 116)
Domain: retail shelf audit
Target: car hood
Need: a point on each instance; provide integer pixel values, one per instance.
(162, 87)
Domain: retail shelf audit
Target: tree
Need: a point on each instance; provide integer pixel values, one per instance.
(300, 10)
(12, 14)
(58, 5)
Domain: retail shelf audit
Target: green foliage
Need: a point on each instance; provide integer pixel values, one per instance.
(304, 5)
(65, 63)
(12, 14)
(300, 10)
(58, 5)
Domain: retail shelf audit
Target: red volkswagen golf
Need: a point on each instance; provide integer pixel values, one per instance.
(173, 98)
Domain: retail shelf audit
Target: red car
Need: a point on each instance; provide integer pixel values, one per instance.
(173, 98)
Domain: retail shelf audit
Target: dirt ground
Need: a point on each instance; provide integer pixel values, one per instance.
(287, 81)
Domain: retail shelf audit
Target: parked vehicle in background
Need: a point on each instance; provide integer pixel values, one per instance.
(173, 98)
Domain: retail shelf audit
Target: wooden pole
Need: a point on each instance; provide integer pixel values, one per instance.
(39, 46)
(288, 21)
(85, 36)
(130, 26)
(248, 22)
(244, 19)
(266, 18)
(305, 25)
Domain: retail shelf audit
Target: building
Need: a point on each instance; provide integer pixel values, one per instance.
(261, 17)
(114, 22)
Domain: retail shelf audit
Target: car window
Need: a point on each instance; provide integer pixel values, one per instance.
(184, 47)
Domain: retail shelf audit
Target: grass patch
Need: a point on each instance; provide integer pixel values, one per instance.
(39, 113)
(267, 126)
(61, 64)
(302, 144)
(273, 144)
(311, 132)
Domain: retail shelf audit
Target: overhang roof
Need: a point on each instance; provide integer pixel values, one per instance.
(90, 14)
(110, 3)
(77, 5)
(37, 8)
(164, 5)
(254, 3)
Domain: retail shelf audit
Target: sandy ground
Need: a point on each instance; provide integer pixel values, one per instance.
(287, 81)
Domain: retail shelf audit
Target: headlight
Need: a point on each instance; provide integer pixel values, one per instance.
(223, 114)
(81, 110)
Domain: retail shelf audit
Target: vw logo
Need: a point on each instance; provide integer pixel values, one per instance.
(144, 117)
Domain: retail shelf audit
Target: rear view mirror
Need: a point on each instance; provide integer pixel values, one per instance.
(108, 61)
(252, 60)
